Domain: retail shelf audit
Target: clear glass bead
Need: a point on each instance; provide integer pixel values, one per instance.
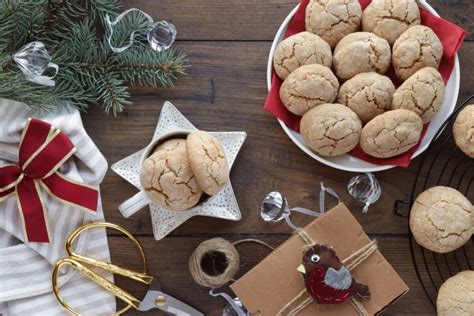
(274, 207)
(161, 35)
(365, 188)
(33, 58)
(235, 309)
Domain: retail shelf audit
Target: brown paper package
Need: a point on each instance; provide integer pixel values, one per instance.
(271, 284)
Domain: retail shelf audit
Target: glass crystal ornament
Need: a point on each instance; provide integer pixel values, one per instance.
(234, 306)
(365, 188)
(161, 35)
(33, 59)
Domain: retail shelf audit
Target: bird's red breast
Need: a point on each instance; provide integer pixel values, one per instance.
(323, 293)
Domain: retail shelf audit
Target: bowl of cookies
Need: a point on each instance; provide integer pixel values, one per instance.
(363, 86)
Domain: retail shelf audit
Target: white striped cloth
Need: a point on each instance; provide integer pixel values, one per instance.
(25, 268)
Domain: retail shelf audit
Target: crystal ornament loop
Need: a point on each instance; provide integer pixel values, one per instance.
(33, 59)
(161, 35)
(365, 188)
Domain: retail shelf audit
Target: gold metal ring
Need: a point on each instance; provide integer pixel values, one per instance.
(68, 261)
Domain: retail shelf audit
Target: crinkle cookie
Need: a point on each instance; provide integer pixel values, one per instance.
(167, 177)
(333, 19)
(391, 134)
(423, 93)
(301, 49)
(456, 295)
(361, 52)
(390, 18)
(307, 87)
(416, 48)
(331, 129)
(463, 130)
(208, 161)
(368, 94)
(441, 219)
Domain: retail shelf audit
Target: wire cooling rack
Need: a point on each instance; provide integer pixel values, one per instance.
(442, 164)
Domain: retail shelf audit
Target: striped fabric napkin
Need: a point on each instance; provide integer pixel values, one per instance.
(25, 268)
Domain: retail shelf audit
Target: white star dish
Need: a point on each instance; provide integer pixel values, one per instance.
(222, 205)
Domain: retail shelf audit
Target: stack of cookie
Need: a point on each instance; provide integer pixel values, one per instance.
(183, 170)
(334, 76)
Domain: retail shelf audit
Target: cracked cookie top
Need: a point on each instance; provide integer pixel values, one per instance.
(463, 130)
(361, 52)
(167, 178)
(456, 295)
(208, 161)
(368, 94)
(441, 219)
(390, 18)
(391, 134)
(333, 19)
(301, 49)
(422, 93)
(331, 129)
(307, 87)
(416, 48)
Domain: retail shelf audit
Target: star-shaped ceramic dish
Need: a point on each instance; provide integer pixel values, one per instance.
(222, 205)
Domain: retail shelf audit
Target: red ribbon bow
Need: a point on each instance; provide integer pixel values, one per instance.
(43, 149)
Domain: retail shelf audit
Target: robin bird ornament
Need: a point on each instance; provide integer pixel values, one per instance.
(326, 278)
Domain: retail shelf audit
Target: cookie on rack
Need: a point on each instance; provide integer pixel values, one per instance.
(333, 19)
(391, 134)
(368, 94)
(298, 50)
(456, 295)
(167, 177)
(422, 93)
(389, 19)
(416, 48)
(331, 129)
(463, 130)
(361, 52)
(208, 161)
(307, 87)
(441, 219)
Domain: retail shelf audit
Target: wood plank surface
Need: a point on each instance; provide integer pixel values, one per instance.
(228, 44)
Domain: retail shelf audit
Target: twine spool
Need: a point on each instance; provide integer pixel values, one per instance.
(214, 247)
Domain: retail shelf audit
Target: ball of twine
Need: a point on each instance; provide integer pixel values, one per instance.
(210, 247)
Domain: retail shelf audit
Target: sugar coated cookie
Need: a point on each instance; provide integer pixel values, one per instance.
(331, 129)
(391, 134)
(368, 94)
(333, 19)
(208, 161)
(456, 295)
(298, 50)
(441, 219)
(167, 177)
(307, 87)
(422, 93)
(463, 130)
(361, 52)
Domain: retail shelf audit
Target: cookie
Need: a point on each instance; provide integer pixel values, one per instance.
(208, 161)
(167, 178)
(456, 295)
(391, 134)
(301, 49)
(368, 94)
(361, 52)
(422, 93)
(416, 48)
(333, 19)
(307, 87)
(331, 129)
(441, 219)
(390, 18)
(463, 130)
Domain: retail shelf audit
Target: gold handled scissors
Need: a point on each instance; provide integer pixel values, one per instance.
(154, 298)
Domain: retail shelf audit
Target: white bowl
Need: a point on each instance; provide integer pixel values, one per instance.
(347, 162)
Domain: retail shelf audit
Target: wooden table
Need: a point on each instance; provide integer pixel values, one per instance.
(228, 44)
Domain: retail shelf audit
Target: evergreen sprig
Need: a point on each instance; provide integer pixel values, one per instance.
(89, 72)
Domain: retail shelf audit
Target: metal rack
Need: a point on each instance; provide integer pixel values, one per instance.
(442, 164)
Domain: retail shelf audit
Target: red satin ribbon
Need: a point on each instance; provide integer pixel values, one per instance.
(43, 149)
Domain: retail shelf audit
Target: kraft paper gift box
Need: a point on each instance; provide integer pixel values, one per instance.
(275, 281)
